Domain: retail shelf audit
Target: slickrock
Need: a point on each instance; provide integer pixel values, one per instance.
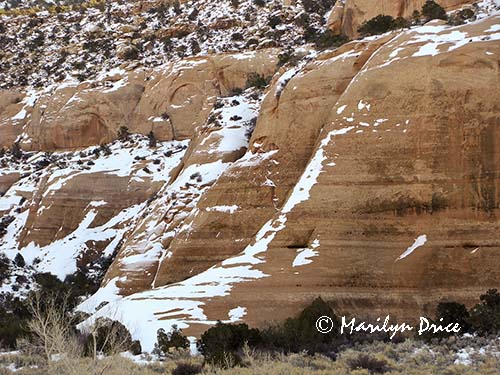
(405, 209)
(292, 114)
(348, 16)
(171, 101)
(367, 174)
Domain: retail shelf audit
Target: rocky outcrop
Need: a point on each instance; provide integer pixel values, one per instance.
(404, 211)
(370, 179)
(297, 106)
(368, 175)
(171, 101)
(346, 17)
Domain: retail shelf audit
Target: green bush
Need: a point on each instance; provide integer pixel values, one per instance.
(432, 10)
(256, 80)
(220, 344)
(185, 368)
(453, 312)
(367, 362)
(323, 39)
(13, 319)
(377, 25)
(109, 337)
(300, 333)
(485, 316)
(171, 340)
(318, 6)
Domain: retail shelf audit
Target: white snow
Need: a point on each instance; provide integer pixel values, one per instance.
(227, 209)
(420, 241)
(237, 314)
(304, 255)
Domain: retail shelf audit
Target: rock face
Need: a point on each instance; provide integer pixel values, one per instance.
(392, 208)
(366, 211)
(369, 175)
(171, 101)
(348, 16)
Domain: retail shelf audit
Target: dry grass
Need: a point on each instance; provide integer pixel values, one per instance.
(407, 358)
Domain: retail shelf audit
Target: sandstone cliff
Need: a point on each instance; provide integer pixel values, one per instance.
(347, 16)
(367, 174)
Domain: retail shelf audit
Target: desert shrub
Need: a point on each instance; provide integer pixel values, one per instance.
(16, 151)
(109, 337)
(367, 362)
(453, 312)
(300, 333)
(459, 18)
(274, 20)
(167, 44)
(377, 25)
(485, 316)
(220, 344)
(151, 139)
(318, 6)
(432, 10)
(174, 339)
(288, 57)
(323, 39)
(4, 223)
(185, 368)
(256, 80)
(13, 317)
(4, 267)
(104, 148)
(19, 260)
(123, 133)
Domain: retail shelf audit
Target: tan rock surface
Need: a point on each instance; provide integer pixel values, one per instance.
(356, 12)
(420, 160)
(11, 125)
(171, 101)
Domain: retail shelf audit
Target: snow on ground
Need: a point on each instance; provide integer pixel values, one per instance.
(182, 303)
(433, 38)
(133, 159)
(303, 255)
(420, 241)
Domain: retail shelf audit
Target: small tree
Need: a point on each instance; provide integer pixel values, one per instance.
(123, 133)
(16, 151)
(453, 312)
(152, 139)
(19, 260)
(432, 10)
(485, 316)
(109, 337)
(171, 340)
(51, 326)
